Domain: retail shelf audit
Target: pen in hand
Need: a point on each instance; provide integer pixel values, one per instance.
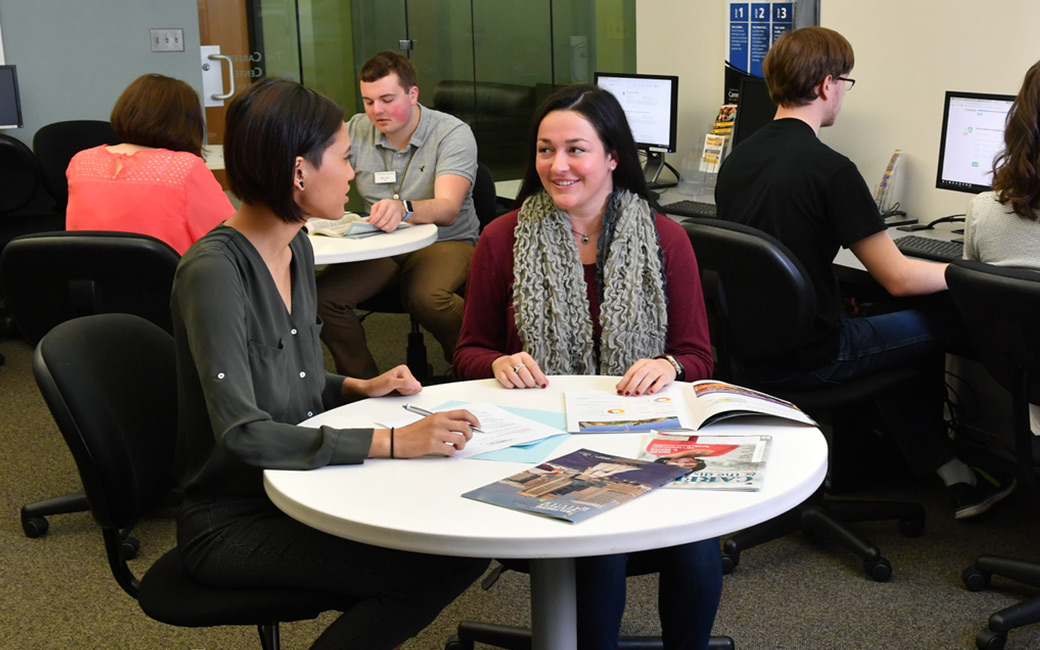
(421, 411)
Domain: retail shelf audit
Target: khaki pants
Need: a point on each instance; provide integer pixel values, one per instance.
(427, 279)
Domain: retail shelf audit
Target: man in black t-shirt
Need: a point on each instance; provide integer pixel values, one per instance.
(784, 181)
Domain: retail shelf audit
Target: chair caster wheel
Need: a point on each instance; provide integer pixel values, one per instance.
(990, 640)
(912, 527)
(879, 570)
(974, 579)
(34, 526)
(729, 562)
(455, 643)
(129, 547)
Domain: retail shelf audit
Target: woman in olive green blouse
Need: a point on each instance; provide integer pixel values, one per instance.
(250, 367)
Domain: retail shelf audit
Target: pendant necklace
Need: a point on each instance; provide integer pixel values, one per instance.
(585, 235)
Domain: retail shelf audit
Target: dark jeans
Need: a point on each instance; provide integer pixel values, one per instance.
(688, 596)
(913, 415)
(388, 596)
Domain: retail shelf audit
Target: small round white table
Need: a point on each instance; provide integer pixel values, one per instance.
(415, 505)
(335, 250)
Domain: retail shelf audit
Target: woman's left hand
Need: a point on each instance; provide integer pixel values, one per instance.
(646, 377)
(399, 380)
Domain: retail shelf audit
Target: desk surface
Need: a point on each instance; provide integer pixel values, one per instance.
(336, 250)
(419, 507)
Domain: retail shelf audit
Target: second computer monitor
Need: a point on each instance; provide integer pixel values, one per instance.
(972, 138)
(650, 102)
(755, 108)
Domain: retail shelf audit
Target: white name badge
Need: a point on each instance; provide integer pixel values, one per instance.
(386, 177)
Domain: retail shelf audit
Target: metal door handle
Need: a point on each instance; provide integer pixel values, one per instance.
(231, 75)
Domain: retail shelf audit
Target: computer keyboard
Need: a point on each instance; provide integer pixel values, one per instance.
(687, 208)
(939, 250)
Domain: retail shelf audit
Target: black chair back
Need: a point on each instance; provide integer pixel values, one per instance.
(759, 298)
(52, 277)
(1001, 311)
(110, 382)
(19, 174)
(485, 199)
(55, 144)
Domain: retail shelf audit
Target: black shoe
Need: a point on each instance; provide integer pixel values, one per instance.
(990, 487)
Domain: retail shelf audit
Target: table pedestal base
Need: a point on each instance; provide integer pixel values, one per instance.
(553, 610)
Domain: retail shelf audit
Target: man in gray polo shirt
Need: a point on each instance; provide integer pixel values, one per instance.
(416, 164)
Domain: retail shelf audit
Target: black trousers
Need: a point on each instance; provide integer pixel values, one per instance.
(388, 595)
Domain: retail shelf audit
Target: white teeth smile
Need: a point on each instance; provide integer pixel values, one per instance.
(565, 183)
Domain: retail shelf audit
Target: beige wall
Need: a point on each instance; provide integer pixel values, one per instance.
(908, 53)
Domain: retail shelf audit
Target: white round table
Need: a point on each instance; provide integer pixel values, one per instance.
(415, 505)
(335, 250)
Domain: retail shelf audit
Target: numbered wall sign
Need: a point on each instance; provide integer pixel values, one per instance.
(752, 28)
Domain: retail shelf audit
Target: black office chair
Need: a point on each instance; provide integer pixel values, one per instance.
(53, 277)
(1001, 309)
(485, 203)
(519, 638)
(761, 303)
(22, 208)
(55, 144)
(110, 383)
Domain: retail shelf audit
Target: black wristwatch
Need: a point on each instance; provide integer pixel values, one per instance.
(409, 210)
(680, 372)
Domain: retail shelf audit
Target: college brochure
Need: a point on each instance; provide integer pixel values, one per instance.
(717, 400)
(723, 462)
(349, 225)
(597, 411)
(607, 412)
(578, 485)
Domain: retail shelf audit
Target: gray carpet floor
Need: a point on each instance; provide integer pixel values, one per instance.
(56, 591)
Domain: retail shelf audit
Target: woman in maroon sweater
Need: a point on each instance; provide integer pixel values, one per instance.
(585, 278)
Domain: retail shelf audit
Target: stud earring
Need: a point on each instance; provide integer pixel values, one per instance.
(301, 185)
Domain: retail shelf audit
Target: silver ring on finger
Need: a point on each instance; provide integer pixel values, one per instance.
(517, 367)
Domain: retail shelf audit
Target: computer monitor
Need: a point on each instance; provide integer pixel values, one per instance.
(650, 103)
(755, 108)
(972, 138)
(10, 102)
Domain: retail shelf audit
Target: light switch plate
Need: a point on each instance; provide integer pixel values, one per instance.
(167, 40)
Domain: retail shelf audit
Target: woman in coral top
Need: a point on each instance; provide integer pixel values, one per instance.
(156, 182)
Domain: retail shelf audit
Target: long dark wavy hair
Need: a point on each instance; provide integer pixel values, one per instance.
(1016, 171)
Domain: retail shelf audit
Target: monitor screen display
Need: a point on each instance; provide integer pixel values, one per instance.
(755, 108)
(650, 103)
(10, 103)
(972, 137)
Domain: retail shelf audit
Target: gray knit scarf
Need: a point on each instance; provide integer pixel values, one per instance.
(549, 293)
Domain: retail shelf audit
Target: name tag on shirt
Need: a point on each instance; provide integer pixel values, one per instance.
(386, 177)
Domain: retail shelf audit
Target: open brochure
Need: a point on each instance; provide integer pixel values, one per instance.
(350, 225)
(578, 485)
(717, 400)
(723, 462)
(600, 411)
(607, 412)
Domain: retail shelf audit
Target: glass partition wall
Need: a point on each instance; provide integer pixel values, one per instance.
(489, 62)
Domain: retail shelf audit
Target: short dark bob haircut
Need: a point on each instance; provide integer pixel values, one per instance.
(161, 112)
(268, 126)
(605, 114)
